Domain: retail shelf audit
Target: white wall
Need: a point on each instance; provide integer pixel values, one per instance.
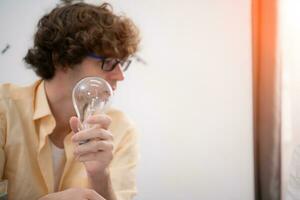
(289, 30)
(192, 103)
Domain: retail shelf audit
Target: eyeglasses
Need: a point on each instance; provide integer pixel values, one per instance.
(109, 64)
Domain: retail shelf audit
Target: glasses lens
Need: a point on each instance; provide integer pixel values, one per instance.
(125, 64)
(108, 65)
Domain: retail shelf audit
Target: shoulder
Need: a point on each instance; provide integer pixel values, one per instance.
(13, 91)
(121, 126)
(120, 118)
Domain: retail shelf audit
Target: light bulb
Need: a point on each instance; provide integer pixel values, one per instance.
(90, 96)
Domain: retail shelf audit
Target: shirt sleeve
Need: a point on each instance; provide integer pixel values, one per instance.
(2, 142)
(123, 166)
(293, 185)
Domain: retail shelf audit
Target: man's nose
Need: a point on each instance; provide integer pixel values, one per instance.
(118, 73)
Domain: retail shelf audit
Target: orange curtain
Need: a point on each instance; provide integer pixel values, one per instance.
(266, 94)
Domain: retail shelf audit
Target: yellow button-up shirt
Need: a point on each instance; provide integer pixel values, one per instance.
(26, 122)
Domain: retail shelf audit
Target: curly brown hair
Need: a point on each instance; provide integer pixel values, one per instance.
(70, 32)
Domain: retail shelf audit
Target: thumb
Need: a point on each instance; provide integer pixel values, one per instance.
(74, 124)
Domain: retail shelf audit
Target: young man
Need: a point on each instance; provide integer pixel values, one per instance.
(40, 155)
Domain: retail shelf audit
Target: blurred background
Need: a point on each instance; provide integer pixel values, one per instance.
(191, 100)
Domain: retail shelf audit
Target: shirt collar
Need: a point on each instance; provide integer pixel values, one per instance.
(40, 102)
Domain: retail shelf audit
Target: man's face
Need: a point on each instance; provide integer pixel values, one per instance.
(92, 67)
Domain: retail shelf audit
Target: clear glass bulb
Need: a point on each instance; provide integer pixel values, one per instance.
(90, 96)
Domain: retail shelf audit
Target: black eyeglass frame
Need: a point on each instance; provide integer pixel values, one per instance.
(108, 67)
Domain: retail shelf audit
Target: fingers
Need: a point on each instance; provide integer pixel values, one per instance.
(93, 195)
(75, 193)
(74, 124)
(93, 146)
(100, 141)
(95, 156)
(92, 133)
(103, 120)
(100, 120)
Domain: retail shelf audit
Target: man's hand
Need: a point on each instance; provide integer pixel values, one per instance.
(96, 154)
(74, 194)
